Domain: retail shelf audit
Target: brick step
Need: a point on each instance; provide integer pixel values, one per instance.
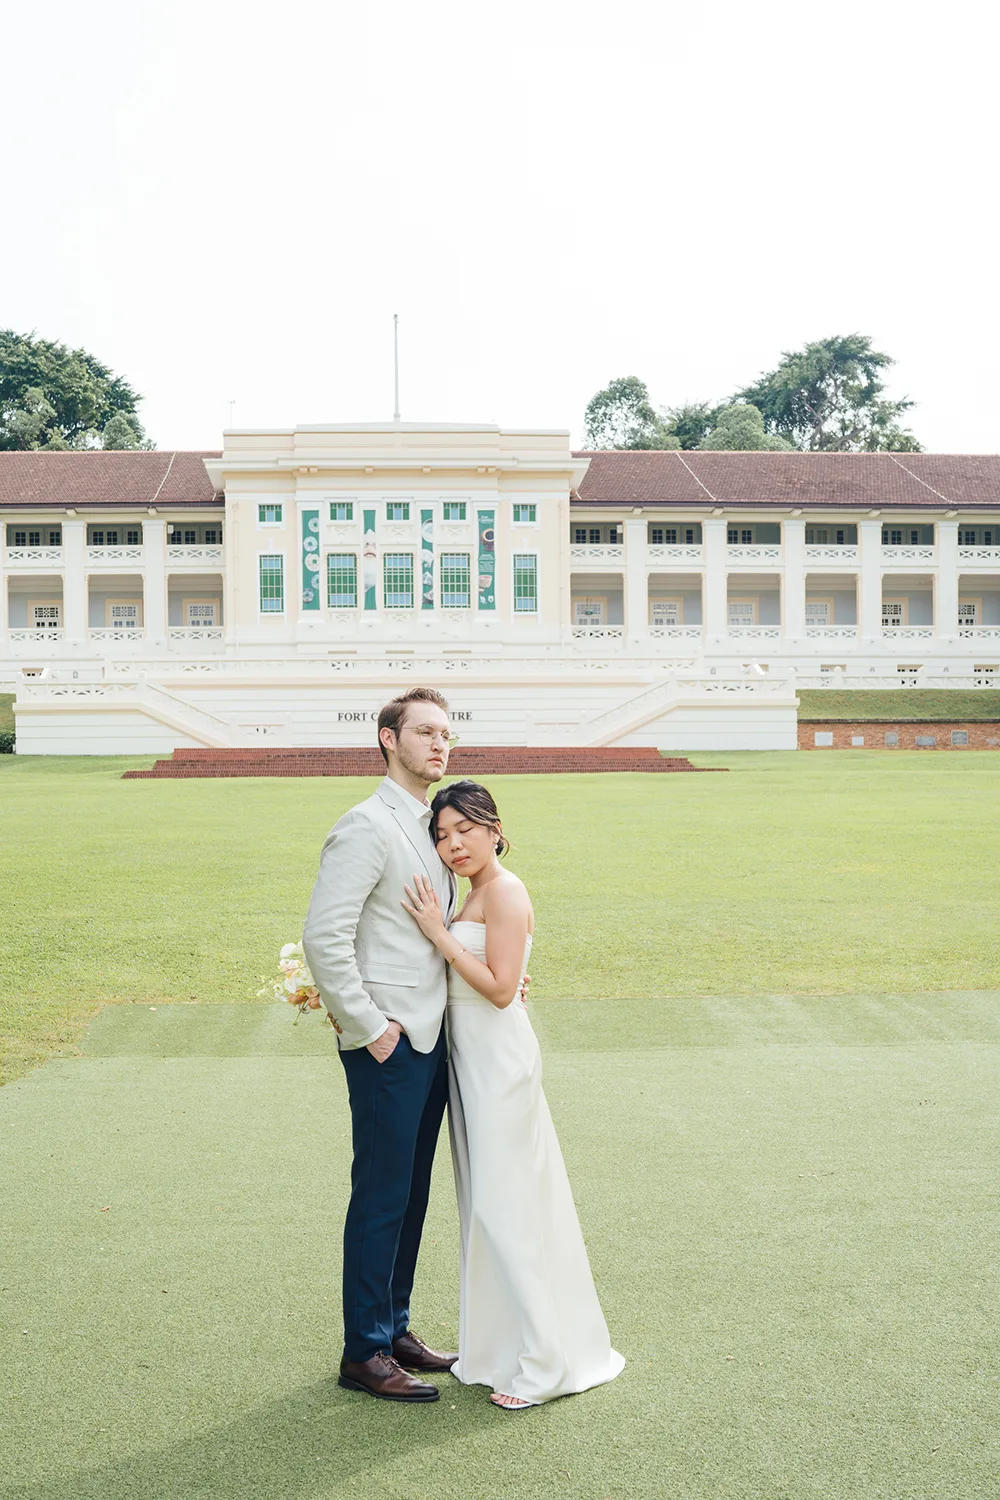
(469, 760)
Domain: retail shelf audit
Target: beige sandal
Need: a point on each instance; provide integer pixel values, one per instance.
(510, 1403)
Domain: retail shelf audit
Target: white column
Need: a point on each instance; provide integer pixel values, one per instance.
(636, 590)
(793, 596)
(154, 581)
(870, 600)
(4, 599)
(716, 611)
(946, 582)
(74, 582)
(231, 575)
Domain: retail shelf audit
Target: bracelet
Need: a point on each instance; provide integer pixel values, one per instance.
(458, 955)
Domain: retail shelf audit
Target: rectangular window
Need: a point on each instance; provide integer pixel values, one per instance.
(690, 535)
(454, 510)
(123, 616)
(732, 536)
(397, 579)
(200, 616)
(742, 612)
(969, 612)
(20, 539)
(456, 580)
(526, 583)
(967, 538)
(891, 537)
(97, 538)
(819, 612)
(893, 612)
(272, 583)
(590, 612)
(55, 536)
(213, 537)
(656, 534)
(579, 537)
(670, 536)
(594, 536)
(190, 537)
(45, 616)
(665, 612)
(133, 538)
(341, 510)
(270, 515)
(341, 580)
(615, 537)
(525, 515)
(397, 510)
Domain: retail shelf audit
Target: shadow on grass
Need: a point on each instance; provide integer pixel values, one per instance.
(313, 1441)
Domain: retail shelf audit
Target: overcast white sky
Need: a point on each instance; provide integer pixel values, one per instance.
(229, 201)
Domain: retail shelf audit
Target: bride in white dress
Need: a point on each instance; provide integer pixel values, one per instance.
(530, 1324)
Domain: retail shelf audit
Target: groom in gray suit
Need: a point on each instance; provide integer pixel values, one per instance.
(385, 985)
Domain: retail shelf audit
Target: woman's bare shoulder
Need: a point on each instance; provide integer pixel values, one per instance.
(506, 893)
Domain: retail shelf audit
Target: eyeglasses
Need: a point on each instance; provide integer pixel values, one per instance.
(428, 735)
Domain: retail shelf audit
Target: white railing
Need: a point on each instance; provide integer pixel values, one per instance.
(754, 632)
(754, 554)
(980, 554)
(190, 555)
(831, 553)
(675, 632)
(909, 554)
(919, 677)
(199, 634)
(833, 632)
(655, 552)
(32, 637)
(117, 636)
(32, 557)
(598, 632)
(597, 554)
(980, 632)
(115, 556)
(907, 632)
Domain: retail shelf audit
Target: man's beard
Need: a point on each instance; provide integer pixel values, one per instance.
(422, 770)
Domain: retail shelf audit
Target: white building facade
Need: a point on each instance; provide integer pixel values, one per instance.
(281, 589)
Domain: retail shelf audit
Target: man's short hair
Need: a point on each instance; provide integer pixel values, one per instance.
(392, 716)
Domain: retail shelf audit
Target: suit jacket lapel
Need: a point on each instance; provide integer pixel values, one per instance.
(414, 833)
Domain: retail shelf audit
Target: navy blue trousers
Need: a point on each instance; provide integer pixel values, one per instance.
(396, 1112)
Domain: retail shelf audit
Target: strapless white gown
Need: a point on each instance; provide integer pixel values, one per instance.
(530, 1324)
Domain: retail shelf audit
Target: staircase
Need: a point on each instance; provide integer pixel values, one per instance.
(465, 760)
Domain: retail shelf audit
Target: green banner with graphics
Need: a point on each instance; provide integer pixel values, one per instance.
(369, 562)
(487, 560)
(427, 559)
(311, 584)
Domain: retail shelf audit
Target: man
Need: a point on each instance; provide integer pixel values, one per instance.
(385, 985)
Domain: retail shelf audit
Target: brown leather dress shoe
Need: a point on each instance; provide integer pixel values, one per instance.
(381, 1376)
(413, 1354)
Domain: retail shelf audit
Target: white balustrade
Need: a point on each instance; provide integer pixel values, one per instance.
(980, 632)
(831, 554)
(117, 636)
(980, 555)
(609, 553)
(190, 555)
(670, 553)
(199, 634)
(907, 632)
(674, 632)
(598, 632)
(833, 632)
(36, 637)
(114, 557)
(755, 632)
(909, 554)
(33, 557)
(753, 554)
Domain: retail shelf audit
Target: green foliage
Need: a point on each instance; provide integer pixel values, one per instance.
(55, 398)
(6, 742)
(7, 712)
(691, 422)
(620, 416)
(827, 398)
(740, 428)
(902, 706)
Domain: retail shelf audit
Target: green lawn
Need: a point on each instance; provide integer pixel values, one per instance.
(919, 705)
(770, 1016)
(790, 875)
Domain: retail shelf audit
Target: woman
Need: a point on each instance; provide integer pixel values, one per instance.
(530, 1322)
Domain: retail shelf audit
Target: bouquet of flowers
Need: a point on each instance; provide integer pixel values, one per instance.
(294, 984)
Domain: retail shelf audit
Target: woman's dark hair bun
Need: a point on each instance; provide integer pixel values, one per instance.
(471, 800)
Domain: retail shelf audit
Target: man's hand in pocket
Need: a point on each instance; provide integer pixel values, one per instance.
(385, 1045)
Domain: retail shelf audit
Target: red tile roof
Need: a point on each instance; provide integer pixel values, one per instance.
(910, 480)
(100, 478)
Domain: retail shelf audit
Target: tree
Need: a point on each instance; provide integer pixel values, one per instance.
(740, 428)
(690, 423)
(621, 416)
(124, 431)
(55, 397)
(827, 398)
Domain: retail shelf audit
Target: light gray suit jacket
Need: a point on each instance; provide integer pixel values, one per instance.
(368, 957)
